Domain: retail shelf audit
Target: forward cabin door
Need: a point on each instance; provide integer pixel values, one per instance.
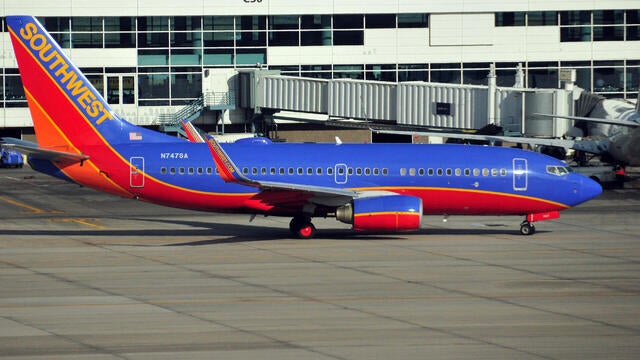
(520, 175)
(136, 172)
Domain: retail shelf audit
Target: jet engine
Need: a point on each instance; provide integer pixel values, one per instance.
(382, 213)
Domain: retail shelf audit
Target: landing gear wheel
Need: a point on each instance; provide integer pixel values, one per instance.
(527, 228)
(308, 231)
(302, 227)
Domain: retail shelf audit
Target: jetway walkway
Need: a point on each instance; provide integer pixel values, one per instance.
(241, 96)
(407, 103)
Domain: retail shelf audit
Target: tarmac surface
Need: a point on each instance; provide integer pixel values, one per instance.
(85, 275)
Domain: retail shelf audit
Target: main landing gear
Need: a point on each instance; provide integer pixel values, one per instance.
(302, 227)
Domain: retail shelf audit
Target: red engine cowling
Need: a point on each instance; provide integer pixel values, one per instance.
(382, 213)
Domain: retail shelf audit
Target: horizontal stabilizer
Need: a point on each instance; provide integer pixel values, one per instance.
(31, 149)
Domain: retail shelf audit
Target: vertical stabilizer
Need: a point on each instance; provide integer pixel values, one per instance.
(69, 115)
(66, 109)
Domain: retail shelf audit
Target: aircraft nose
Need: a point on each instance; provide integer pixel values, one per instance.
(588, 189)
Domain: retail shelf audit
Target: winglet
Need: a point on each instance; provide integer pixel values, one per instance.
(192, 133)
(228, 171)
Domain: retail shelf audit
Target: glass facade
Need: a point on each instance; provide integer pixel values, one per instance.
(172, 51)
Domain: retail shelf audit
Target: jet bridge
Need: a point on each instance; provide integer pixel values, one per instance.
(416, 104)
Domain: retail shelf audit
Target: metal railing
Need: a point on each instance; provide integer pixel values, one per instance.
(220, 100)
(211, 100)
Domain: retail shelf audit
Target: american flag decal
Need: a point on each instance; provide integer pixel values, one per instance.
(135, 136)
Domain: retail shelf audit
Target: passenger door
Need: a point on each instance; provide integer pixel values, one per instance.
(136, 172)
(520, 175)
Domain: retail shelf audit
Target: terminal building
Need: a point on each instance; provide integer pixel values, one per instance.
(157, 60)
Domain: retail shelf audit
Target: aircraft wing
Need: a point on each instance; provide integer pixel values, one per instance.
(596, 120)
(322, 195)
(591, 146)
(31, 149)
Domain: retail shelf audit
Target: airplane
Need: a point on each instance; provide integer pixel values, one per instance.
(615, 140)
(373, 187)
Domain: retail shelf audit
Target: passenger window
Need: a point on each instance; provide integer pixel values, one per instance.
(200, 171)
(309, 171)
(403, 172)
(163, 170)
(412, 172)
(494, 172)
(440, 172)
(449, 172)
(172, 170)
(458, 172)
(300, 171)
(350, 171)
(254, 171)
(191, 171)
(467, 172)
(376, 171)
(319, 171)
(209, 171)
(272, 171)
(367, 171)
(430, 172)
(245, 171)
(421, 172)
(476, 172)
(485, 172)
(385, 171)
(263, 171)
(329, 171)
(291, 172)
(181, 170)
(281, 171)
(359, 171)
(340, 171)
(503, 172)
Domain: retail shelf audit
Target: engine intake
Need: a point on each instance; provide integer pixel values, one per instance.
(382, 213)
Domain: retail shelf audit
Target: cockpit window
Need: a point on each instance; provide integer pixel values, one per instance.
(558, 170)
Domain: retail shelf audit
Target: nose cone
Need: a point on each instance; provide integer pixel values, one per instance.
(587, 189)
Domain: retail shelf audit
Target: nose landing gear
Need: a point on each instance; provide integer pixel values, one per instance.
(527, 228)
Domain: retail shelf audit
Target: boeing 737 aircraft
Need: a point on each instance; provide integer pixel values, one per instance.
(374, 187)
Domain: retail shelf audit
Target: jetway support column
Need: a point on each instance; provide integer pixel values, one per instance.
(491, 95)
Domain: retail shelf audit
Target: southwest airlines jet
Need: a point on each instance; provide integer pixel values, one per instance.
(374, 187)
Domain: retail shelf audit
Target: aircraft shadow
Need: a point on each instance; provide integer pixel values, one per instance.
(241, 233)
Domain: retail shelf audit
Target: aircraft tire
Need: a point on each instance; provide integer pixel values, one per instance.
(527, 229)
(302, 227)
(307, 231)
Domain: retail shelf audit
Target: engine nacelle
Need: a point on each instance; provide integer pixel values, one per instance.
(382, 213)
